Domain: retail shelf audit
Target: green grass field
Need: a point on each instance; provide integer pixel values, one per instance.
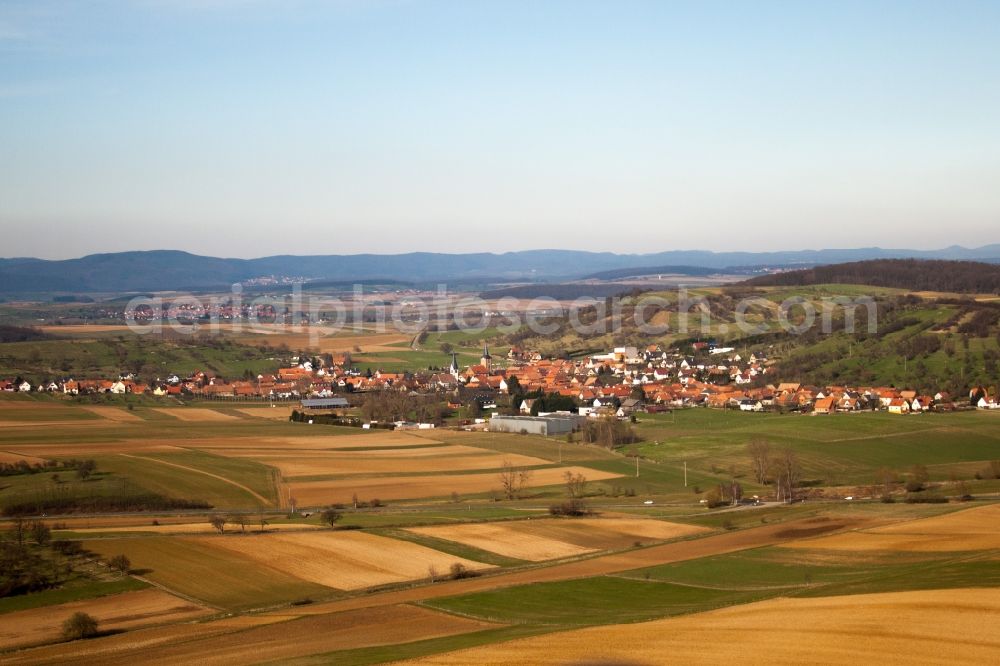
(836, 449)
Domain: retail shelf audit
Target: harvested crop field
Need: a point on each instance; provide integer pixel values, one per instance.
(314, 493)
(13, 457)
(551, 538)
(359, 462)
(928, 627)
(276, 641)
(345, 560)
(195, 414)
(118, 611)
(271, 413)
(380, 439)
(972, 529)
(115, 414)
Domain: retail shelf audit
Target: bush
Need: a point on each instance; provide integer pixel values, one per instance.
(79, 625)
(120, 563)
(459, 571)
(573, 507)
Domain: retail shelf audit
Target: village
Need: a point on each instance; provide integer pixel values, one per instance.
(620, 383)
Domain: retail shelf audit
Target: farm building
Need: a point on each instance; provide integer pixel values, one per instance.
(554, 424)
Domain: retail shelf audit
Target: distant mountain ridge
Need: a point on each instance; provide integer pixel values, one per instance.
(176, 270)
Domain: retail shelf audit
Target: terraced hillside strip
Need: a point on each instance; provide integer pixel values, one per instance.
(115, 414)
(713, 544)
(315, 493)
(972, 529)
(386, 461)
(546, 539)
(945, 627)
(216, 576)
(114, 612)
(252, 639)
(195, 414)
(345, 560)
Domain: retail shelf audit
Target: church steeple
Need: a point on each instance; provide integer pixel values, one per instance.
(453, 369)
(486, 361)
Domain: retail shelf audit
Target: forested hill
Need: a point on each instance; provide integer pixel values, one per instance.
(914, 274)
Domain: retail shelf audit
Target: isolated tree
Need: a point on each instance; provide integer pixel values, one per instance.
(576, 484)
(512, 479)
(432, 572)
(120, 563)
(330, 516)
(760, 458)
(218, 522)
(79, 625)
(238, 519)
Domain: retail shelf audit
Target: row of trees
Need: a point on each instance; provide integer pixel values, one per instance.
(777, 467)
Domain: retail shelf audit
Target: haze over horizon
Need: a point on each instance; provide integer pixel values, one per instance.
(248, 128)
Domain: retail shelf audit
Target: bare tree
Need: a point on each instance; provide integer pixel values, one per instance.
(576, 484)
(760, 458)
(238, 519)
(120, 563)
(512, 479)
(218, 522)
(330, 516)
(787, 473)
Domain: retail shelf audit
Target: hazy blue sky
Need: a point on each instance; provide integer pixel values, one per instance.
(256, 127)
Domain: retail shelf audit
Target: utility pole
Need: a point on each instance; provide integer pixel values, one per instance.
(685, 474)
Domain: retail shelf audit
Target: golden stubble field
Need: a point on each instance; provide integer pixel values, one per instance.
(115, 612)
(316, 493)
(943, 627)
(972, 529)
(344, 560)
(550, 538)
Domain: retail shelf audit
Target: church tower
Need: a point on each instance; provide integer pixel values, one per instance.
(453, 368)
(486, 361)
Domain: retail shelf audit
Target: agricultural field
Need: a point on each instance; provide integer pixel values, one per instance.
(547, 539)
(279, 585)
